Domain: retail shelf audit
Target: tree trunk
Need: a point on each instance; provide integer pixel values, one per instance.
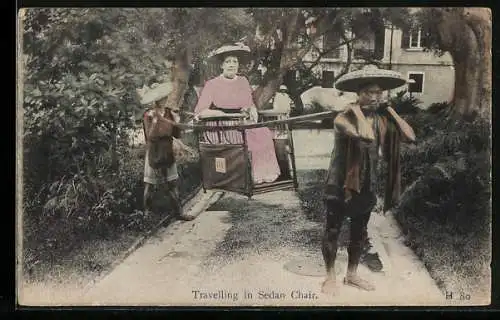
(466, 34)
(479, 20)
(264, 93)
(290, 55)
(181, 70)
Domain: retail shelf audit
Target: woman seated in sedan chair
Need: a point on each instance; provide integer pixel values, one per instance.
(232, 93)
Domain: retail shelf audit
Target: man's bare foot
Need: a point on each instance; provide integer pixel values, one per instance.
(330, 287)
(357, 282)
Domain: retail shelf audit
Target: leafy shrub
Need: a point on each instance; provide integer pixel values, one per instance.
(405, 104)
(82, 68)
(79, 99)
(100, 202)
(447, 198)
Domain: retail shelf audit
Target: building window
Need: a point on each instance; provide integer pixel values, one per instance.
(364, 46)
(369, 45)
(327, 78)
(417, 85)
(414, 39)
(331, 41)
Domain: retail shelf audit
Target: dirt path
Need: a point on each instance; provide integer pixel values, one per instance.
(240, 253)
(235, 253)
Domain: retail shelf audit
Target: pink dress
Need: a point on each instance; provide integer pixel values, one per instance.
(236, 94)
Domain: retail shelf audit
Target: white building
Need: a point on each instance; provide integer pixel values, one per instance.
(394, 49)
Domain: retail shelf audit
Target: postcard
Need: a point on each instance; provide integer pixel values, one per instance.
(229, 157)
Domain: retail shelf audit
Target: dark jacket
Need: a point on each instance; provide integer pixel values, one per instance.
(343, 174)
(163, 145)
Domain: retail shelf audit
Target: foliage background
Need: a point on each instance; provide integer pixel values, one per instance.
(82, 68)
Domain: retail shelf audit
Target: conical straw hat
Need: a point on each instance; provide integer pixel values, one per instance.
(386, 79)
(155, 93)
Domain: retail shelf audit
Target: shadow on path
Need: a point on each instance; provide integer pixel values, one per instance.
(286, 219)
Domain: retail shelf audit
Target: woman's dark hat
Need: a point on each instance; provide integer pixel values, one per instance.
(241, 51)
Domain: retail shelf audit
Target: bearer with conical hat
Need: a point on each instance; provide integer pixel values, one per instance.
(160, 168)
(366, 132)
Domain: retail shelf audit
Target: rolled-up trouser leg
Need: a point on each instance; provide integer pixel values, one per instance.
(334, 217)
